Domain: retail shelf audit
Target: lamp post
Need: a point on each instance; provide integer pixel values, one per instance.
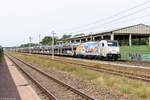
(39, 38)
(53, 39)
(30, 41)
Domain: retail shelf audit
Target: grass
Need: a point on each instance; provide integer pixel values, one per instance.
(144, 49)
(140, 49)
(1, 58)
(99, 65)
(138, 90)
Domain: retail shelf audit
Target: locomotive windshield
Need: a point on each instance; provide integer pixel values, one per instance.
(112, 43)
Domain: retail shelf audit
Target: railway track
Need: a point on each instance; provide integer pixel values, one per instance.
(111, 71)
(53, 88)
(124, 63)
(108, 70)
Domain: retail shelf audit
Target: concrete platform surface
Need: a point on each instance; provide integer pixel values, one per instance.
(13, 85)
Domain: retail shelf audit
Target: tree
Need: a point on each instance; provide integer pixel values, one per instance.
(47, 40)
(65, 37)
(28, 44)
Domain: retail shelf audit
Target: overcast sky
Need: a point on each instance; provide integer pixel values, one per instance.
(20, 19)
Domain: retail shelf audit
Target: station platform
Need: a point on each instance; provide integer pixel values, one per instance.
(13, 85)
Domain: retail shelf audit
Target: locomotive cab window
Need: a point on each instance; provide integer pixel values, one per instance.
(103, 44)
(112, 43)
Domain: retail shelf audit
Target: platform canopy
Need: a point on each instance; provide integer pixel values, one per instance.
(126, 35)
(135, 29)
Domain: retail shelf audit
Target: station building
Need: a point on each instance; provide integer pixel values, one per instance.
(136, 34)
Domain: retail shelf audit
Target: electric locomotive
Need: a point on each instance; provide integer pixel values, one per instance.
(103, 49)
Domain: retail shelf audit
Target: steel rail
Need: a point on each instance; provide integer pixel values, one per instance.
(77, 91)
(110, 71)
(43, 89)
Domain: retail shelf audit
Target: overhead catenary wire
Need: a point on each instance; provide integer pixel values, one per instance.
(114, 20)
(124, 21)
(110, 17)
